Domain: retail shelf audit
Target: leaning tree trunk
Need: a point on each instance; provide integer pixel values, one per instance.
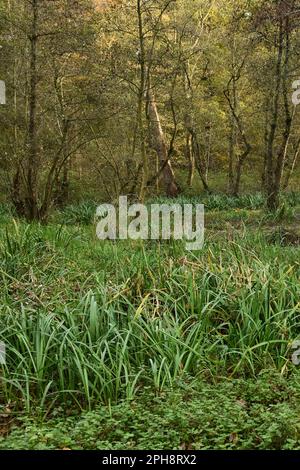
(158, 143)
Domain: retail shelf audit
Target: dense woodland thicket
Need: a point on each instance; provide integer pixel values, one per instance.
(141, 97)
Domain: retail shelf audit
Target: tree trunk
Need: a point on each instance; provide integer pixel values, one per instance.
(31, 203)
(200, 164)
(235, 165)
(264, 168)
(158, 143)
(189, 154)
(231, 156)
(196, 157)
(141, 96)
(232, 141)
(292, 167)
(272, 191)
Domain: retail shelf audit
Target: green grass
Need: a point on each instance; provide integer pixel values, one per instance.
(92, 325)
(84, 212)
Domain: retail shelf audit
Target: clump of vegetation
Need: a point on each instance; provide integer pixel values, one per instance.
(227, 415)
(82, 213)
(136, 314)
(284, 237)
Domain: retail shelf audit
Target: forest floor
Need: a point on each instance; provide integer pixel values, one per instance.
(143, 345)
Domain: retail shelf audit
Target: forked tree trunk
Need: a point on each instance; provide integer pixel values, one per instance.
(236, 162)
(158, 143)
